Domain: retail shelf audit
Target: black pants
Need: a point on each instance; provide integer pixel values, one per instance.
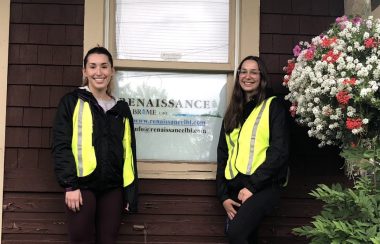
(99, 218)
(242, 229)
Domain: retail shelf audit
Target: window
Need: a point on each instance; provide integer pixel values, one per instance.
(175, 61)
(172, 30)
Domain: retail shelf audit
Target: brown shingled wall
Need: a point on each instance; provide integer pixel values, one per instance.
(45, 56)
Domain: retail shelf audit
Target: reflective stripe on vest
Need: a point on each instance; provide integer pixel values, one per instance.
(83, 149)
(247, 145)
(128, 169)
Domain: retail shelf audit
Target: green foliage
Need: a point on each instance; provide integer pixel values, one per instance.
(348, 215)
(363, 159)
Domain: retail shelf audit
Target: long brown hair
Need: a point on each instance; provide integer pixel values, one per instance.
(234, 114)
(99, 50)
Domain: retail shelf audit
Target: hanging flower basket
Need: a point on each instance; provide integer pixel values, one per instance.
(333, 84)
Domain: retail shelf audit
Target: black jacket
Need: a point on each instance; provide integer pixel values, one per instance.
(273, 170)
(108, 132)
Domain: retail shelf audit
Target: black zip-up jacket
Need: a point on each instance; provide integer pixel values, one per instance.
(272, 171)
(108, 132)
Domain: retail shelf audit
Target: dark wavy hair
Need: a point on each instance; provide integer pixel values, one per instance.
(234, 114)
(99, 50)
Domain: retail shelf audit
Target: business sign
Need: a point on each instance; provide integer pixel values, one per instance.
(177, 116)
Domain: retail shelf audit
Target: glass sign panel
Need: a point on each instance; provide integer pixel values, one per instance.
(177, 116)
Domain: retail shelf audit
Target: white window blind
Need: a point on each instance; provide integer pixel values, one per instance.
(172, 30)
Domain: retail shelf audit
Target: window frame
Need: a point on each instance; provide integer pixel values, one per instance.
(5, 8)
(168, 65)
(244, 39)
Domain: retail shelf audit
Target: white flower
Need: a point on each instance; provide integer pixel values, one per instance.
(333, 126)
(365, 91)
(351, 109)
(316, 40)
(363, 72)
(359, 66)
(374, 85)
(333, 91)
(319, 127)
(355, 131)
(369, 23)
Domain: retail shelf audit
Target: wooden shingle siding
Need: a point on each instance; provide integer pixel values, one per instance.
(46, 38)
(170, 210)
(45, 59)
(284, 23)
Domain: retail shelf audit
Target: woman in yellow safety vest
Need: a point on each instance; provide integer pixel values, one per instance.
(94, 153)
(252, 152)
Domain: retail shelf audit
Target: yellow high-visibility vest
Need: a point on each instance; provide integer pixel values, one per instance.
(83, 149)
(247, 145)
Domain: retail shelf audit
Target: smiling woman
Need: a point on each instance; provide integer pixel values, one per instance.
(252, 153)
(95, 154)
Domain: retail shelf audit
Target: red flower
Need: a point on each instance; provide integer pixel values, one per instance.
(286, 80)
(293, 110)
(326, 42)
(370, 42)
(351, 81)
(330, 57)
(290, 67)
(309, 55)
(352, 123)
(343, 97)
